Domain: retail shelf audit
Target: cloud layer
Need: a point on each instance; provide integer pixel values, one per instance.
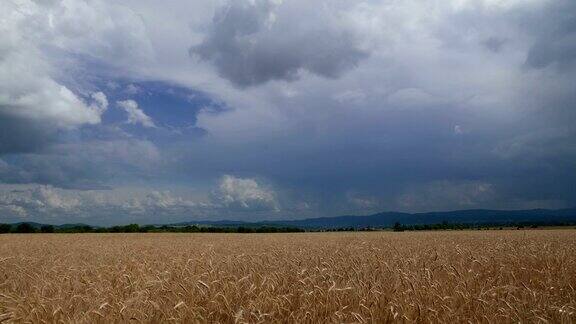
(237, 197)
(266, 109)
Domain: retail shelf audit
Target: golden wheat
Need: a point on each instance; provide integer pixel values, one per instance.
(482, 276)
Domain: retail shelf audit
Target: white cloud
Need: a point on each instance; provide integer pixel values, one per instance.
(48, 197)
(458, 130)
(27, 88)
(29, 64)
(100, 102)
(102, 30)
(244, 194)
(52, 205)
(135, 115)
(232, 196)
(132, 89)
(40, 44)
(38, 199)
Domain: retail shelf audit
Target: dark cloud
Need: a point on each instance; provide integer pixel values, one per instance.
(21, 136)
(90, 163)
(555, 27)
(252, 42)
(495, 44)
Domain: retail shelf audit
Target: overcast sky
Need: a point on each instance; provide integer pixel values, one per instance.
(162, 111)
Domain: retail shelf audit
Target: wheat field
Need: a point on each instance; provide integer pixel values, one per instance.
(452, 276)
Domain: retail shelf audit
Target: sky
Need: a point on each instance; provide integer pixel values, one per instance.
(141, 111)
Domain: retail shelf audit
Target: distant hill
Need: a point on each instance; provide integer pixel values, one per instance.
(33, 224)
(387, 219)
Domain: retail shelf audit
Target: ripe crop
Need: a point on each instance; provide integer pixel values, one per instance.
(451, 276)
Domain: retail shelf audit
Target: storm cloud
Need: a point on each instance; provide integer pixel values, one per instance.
(252, 42)
(115, 113)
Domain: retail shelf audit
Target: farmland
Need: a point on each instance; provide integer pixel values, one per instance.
(445, 276)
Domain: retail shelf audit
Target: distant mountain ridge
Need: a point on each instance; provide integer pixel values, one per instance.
(387, 219)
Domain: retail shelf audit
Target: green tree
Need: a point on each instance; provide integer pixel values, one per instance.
(132, 228)
(25, 228)
(398, 227)
(5, 228)
(47, 229)
(147, 228)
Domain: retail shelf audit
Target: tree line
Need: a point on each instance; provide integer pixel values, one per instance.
(135, 228)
